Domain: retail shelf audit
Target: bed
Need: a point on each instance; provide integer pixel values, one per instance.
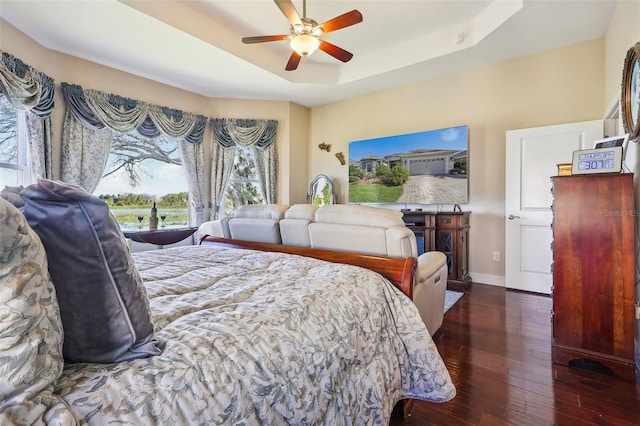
(240, 336)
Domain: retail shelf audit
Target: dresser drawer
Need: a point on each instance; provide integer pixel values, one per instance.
(445, 220)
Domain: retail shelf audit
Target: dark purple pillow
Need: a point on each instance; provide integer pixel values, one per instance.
(103, 302)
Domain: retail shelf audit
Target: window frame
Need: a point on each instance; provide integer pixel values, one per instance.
(133, 190)
(23, 162)
(255, 181)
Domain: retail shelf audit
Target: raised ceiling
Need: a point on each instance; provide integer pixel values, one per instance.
(196, 45)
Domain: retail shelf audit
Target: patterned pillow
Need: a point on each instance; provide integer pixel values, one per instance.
(103, 303)
(12, 194)
(30, 327)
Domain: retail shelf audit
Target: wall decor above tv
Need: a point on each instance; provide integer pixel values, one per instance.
(427, 167)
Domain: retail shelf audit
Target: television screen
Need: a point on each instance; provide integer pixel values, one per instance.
(427, 167)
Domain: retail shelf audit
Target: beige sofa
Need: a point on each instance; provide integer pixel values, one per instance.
(356, 228)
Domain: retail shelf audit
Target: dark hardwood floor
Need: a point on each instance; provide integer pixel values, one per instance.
(497, 346)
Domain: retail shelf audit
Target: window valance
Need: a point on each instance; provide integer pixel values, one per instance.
(26, 88)
(233, 131)
(97, 110)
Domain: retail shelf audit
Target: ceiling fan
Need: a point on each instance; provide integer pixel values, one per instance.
(305, 33)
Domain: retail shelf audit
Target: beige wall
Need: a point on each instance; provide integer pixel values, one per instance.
(623, 33)
(65, 68)
(298, 150)
(554, 87)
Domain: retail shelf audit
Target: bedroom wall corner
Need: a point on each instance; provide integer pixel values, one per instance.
(298, 152)
(623, 33)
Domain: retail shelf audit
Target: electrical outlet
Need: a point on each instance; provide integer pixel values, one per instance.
(496, 256)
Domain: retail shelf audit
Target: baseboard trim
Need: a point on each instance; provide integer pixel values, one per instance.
(497, 280)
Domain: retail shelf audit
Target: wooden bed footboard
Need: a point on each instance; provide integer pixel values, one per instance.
(399, 271)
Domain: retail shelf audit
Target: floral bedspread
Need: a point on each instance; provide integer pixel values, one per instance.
(249, 337)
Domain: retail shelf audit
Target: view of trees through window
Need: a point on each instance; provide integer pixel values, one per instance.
(139, 172)
(243, 186)
(14, 164)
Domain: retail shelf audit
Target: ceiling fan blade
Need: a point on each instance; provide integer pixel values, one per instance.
(262, 39)
(342, 21)
(294, 60)
(335, 51)
(289, 10)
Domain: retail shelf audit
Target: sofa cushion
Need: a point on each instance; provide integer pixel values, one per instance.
(365, 229)
(294, 227)
(252, 229)
(30, 326)
(357, 238)
(301, 211)
(358, 214)
(103, 303)
(262, 211)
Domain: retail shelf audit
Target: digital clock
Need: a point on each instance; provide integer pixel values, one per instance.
(602, 160)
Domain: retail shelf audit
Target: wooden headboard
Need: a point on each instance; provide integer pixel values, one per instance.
(399, 271)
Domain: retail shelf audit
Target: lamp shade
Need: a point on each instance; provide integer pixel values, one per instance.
(304, 44)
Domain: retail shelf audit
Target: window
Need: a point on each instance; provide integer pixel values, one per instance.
(15, 167)
(142, 171)
(243, 186)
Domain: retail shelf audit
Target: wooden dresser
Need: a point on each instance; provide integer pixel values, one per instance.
(593, 273)
(447, 232)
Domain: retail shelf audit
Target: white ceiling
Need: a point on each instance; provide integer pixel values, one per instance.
(196, 45)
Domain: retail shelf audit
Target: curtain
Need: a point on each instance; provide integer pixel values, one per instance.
(92, 117)
(193, 160)
(260, 136)
(31, 91)
(84, 153)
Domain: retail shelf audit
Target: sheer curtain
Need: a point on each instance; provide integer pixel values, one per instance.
(260, 136)
(92, 117)
(31, 91)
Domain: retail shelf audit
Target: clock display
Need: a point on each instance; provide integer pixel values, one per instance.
(597, 160)
(603, 160)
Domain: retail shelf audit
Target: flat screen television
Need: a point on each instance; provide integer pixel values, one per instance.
(427, 167)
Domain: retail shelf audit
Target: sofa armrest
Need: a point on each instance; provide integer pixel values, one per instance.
(215, 228)
(430, 288)
(429, 264)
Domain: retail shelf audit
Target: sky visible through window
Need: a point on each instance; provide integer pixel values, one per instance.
(157, 179)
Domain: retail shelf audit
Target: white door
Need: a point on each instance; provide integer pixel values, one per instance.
(532, 156)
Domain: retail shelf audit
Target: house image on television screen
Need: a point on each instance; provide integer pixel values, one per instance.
(417, 168)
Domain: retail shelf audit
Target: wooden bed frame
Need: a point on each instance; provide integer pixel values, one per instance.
(399, 271)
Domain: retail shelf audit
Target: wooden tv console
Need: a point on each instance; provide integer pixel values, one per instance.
(447, 232)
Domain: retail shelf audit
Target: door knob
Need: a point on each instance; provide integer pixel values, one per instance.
(511, 217)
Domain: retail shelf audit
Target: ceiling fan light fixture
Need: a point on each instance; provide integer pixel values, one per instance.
(304, 44)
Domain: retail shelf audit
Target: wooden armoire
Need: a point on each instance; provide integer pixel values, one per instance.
(594, 272)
